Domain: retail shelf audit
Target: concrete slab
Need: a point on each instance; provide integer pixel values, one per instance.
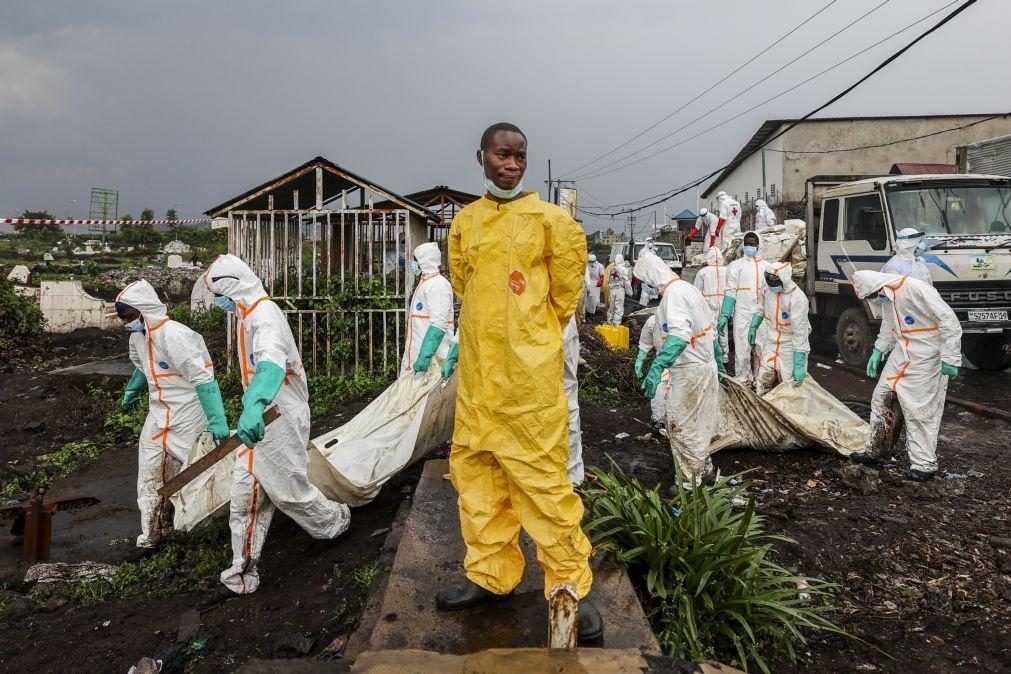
(114, 366)
(430, 557)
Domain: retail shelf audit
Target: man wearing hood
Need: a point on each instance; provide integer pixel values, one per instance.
(271, 470)
(909, 246)
(430, 320)
(594, 279)
(743, 293)
(172, 364)
(764, 217)
(711, 280)
(617, 285)
(707, 223)
(690, 352)
(783, 310)
(729, 223)
(923, 340)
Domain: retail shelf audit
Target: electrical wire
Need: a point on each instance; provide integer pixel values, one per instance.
(738, 94)
(810, 114)
(700, 95)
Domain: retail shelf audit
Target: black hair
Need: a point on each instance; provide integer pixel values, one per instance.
(490, 132)
(752, 234)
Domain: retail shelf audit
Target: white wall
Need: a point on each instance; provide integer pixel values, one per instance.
(67, 308)
(746, 179)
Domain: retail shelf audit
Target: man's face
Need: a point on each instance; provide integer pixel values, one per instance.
(505, 159)
(127, 314)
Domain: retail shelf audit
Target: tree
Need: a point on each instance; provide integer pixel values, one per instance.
(126, 217)
(147, 214)
(37, 231)
(170, 214)
(139, 234)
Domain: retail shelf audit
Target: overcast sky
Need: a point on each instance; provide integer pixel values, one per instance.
(191, 102)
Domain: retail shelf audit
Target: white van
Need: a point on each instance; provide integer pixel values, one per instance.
(667, 252)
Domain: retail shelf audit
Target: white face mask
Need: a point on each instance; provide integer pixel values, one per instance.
(415, 268)
(496, 191)
(880, 299)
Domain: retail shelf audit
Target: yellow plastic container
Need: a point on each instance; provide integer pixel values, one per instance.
(616, 336)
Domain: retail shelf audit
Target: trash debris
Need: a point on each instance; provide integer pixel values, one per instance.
(823, 366)
(813, 483)
(954, 476)
(106, 623)
(379, 532)
(739, 501)
(146, 666)
(801, 594)
(863, 478)
(120, 541)
(335, 651)
(621, 436)
(62, 572)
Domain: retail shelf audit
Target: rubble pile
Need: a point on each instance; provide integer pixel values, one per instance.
(177, 282)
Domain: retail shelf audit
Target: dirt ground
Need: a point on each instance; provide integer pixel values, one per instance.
(918, 578)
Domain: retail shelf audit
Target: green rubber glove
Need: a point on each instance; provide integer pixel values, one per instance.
(949, 370)
(209, 395)
(667, 356)
(756, 321)
(433, 338)
(874, 364)
(260, 393)
(134, 387)
(718, 352)
(640, 361)
(726, 311)
(450, 363)
(799, 366)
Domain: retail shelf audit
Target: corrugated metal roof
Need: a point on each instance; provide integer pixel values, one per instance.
(914, 168)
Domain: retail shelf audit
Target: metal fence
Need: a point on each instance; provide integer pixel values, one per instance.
(341, 276)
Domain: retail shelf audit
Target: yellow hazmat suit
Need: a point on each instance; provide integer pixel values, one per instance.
(518, 268)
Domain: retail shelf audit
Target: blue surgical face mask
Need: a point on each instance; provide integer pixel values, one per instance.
(225, 303)
(500, 193)
(880, 299)
(415, 268)
(136, 325)
(921, 248)
(750, 251)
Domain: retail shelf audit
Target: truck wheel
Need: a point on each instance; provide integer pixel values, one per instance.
(853, 337)
(986, 352)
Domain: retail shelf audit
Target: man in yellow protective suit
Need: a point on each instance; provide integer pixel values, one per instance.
(518, 265)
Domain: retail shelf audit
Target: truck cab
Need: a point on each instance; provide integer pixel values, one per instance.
(967, 221)
(630, 251)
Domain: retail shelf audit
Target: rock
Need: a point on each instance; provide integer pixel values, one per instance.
(55, 603)
(863, 478)
(189, 626)
(20, 608)
(145, 666)
(999, 542)
(293, 644)
(34, 426)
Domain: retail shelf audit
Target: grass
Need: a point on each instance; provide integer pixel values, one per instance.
(364, 576)
(328, 391)
(706, 572)
(59, 463)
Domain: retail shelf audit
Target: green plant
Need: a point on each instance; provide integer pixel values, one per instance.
(21, 325)
(363, 576)
(711, 587)
(327, 391)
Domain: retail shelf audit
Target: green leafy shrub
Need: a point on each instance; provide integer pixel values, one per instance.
(327, 391)
(710, 587)
(21, 325)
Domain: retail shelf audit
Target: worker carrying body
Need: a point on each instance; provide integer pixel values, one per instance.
(173, 366)
(729, 223)
(593, 279)
(784, 310)
(271, 470)
(691, 353)
(707, 223)
(923, 340)
(651, 339)
(518, 264)
(764, 216)
(618, 284)
(743, 293)
(910, 244)
(711, 280)
(430, 321)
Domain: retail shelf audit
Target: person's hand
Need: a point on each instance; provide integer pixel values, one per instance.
(721, 326)
(753, 333)
(251, 426)
(640, 362)
(651, 382)
(131, 400)
(422, 363)
(218, 428)
(799, 366)
(874, 364)
(949, 370)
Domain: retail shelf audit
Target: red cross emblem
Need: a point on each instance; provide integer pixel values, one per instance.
(733, 211)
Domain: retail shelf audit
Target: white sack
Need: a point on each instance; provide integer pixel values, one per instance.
(208, 494)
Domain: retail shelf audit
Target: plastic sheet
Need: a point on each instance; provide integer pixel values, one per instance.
(208, 494)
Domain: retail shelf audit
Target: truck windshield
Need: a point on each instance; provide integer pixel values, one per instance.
(664, 250)
(952, 210)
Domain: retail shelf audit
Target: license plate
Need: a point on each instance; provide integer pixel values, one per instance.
(987, 315)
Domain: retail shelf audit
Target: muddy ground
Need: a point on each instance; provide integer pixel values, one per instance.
(918, 578)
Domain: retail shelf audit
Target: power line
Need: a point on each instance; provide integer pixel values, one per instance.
(768, 100)
(700, 95)
(761, 80)
(834, 99)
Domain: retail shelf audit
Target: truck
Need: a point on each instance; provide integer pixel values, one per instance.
(630, 251)
(851, 225)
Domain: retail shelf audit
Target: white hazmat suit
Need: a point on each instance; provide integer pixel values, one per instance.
(651, 339)
(919, 332)
(618, 284)
(730, 220)
(574, 470)
(906, 262)
(174, 361)
(745, 283)
(764, 217)
(692, 401)
(707, 223)
(431, 305)
(785, 315)
(593, 279)
(711, 280)
(273, 472)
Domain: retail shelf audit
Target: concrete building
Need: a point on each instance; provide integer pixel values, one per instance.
(777, 171)
(610, 237)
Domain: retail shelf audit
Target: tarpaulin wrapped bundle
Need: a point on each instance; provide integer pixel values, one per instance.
(208, 494)
(774, 243)
(788, 417)
(409, 419)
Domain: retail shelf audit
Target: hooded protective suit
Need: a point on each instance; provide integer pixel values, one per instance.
(729, 222)
(574, 470)
(431, 307)
(593, 279)
(921, 332)
(745, 285)
(706, 223)
(650, 339)
(617, 284)
(786, 319)
(764, 217)
(519, 268)
(906, 262)
(692, 403)
(711, 280)
(174, 361)
(273, 472)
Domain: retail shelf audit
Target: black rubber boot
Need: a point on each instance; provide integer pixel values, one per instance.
(591, 625)
(464, 596)
(865, 458)
(220, 595)
(918, 475)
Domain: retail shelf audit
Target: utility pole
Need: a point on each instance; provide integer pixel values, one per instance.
(552, 199)
(630, 222)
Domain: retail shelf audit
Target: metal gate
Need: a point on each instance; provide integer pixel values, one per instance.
(341, 276)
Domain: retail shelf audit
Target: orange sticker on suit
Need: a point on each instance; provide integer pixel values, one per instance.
(517, 282)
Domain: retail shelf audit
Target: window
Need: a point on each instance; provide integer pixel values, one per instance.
(829, 219)
(865, 221)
